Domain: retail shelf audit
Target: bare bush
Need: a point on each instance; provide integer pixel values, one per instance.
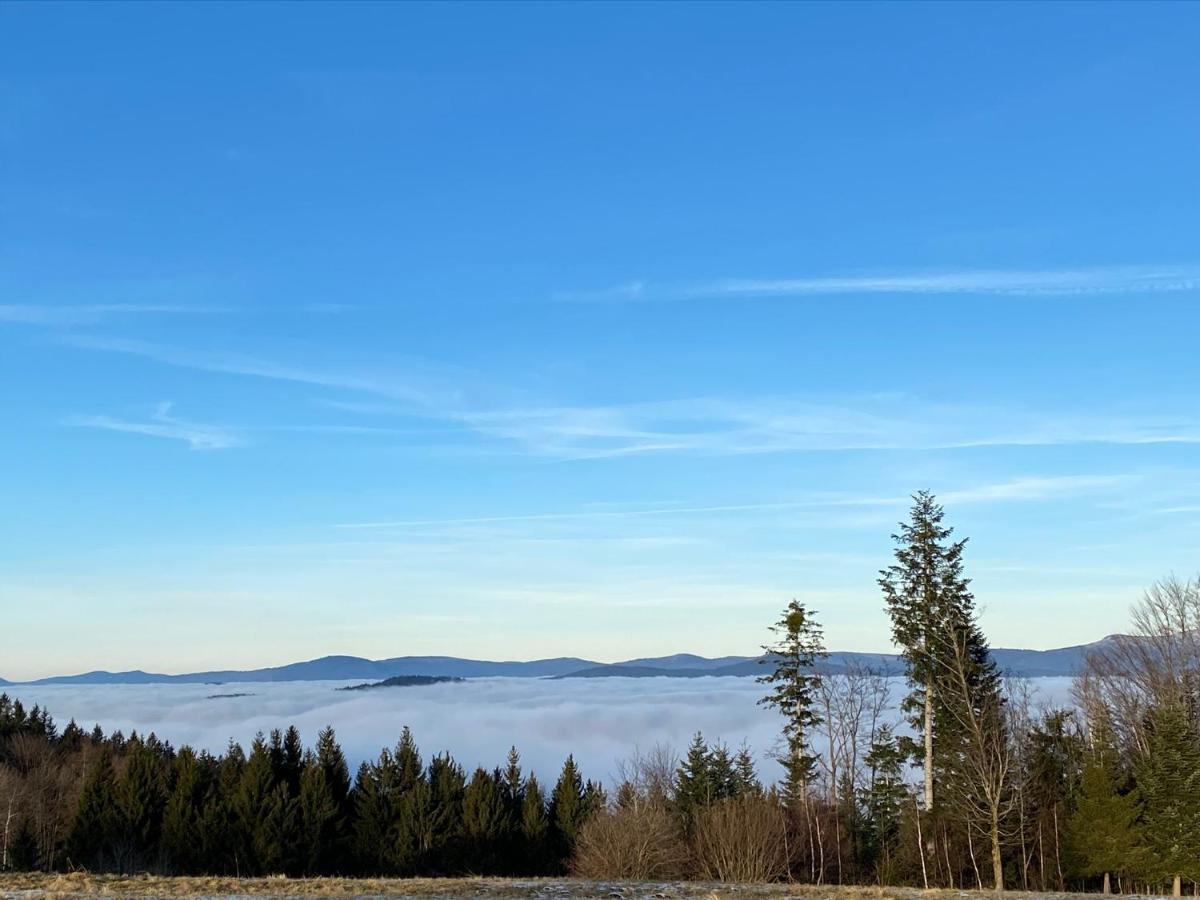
(742, 839)
(1159, 664)
(639, 842)
(648, 777)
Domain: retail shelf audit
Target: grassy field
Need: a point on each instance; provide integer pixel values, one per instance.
(80, 885)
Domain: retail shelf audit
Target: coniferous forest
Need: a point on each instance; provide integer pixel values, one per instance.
(976, 785)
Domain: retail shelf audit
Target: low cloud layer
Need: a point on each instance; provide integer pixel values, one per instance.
(600, 721)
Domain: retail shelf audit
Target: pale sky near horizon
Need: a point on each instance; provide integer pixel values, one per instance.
(514, 331)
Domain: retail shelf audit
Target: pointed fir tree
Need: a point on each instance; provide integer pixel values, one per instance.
(484, 822)
(447, 785)
(371, 800)
(182, 822)
(320, 822)
(694, 789)
(882, 802)
(138, 799)
(568, 811)
(928, 598)
(1102, 833)
(259, 807)
(721, 773)
(333, 763)
(90, 842)
(415, 821)
(745, 774)
(23, 852)
(535, 828)
(799, 646)
(1168, 778)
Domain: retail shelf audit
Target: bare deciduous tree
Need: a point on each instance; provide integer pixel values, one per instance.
(742, 840)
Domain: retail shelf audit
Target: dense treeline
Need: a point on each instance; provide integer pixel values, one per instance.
(109, 803)
(975, 786)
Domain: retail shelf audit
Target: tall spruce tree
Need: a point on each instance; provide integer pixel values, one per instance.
(1102, 834)
(485, 822)
(882, 802)
(535, 827)
(933, 621)
(693, 782)
(568, 810)
(320, 822)
(1169, 780)
(798, 647)
(138, 800)
(447, 786)
(182, 823)
(90, 843)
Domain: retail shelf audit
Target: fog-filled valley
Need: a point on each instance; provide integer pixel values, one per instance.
(601, 721)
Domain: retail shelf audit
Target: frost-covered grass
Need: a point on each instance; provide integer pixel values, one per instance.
(81, 884)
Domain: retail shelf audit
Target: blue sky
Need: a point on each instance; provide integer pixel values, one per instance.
(601, 330)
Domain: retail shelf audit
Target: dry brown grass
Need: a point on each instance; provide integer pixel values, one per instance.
(82, 885)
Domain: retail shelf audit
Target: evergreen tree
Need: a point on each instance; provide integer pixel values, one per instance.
(413, 823)
(447, 786)
(90, 844)
(182, 822)
(372, 803)
(883, 802)
(138, 806)
(23, 853)
(928, 599)
(693, 782)
(262, 813)
(1169, 780)
(291, 762)
(333, 763)
(535, 827)
(745, 774)
(1103, 836)
(721, 773)
(799, 646)
(485, 820)
(568, 810)
(320, 822)
(222, 838)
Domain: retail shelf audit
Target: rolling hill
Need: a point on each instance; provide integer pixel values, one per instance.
(1063, 661)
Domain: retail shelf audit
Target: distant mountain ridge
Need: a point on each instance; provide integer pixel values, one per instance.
(1063, 661)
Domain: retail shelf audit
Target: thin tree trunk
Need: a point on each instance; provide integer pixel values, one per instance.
(820, 848)
(997, 860)
(921, 845)
(946, 853)
(974, 864)
(1107, 884)
(1062, 886)
(929, 747)
(1177, 887)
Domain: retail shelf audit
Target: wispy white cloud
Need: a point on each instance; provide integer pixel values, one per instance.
(1023, 489)
(709, 425)
(1139, 279)
(162, 424)
(722, 426)
(396, 386)
(89, 314)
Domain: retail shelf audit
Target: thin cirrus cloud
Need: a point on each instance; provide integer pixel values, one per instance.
(1139, 279)
(414, 390)
(718, 426)
(1022, 489)
(88, 314)
(162, 424)
(698, 425)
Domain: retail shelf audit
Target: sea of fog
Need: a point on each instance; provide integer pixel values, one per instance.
(600, 720)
